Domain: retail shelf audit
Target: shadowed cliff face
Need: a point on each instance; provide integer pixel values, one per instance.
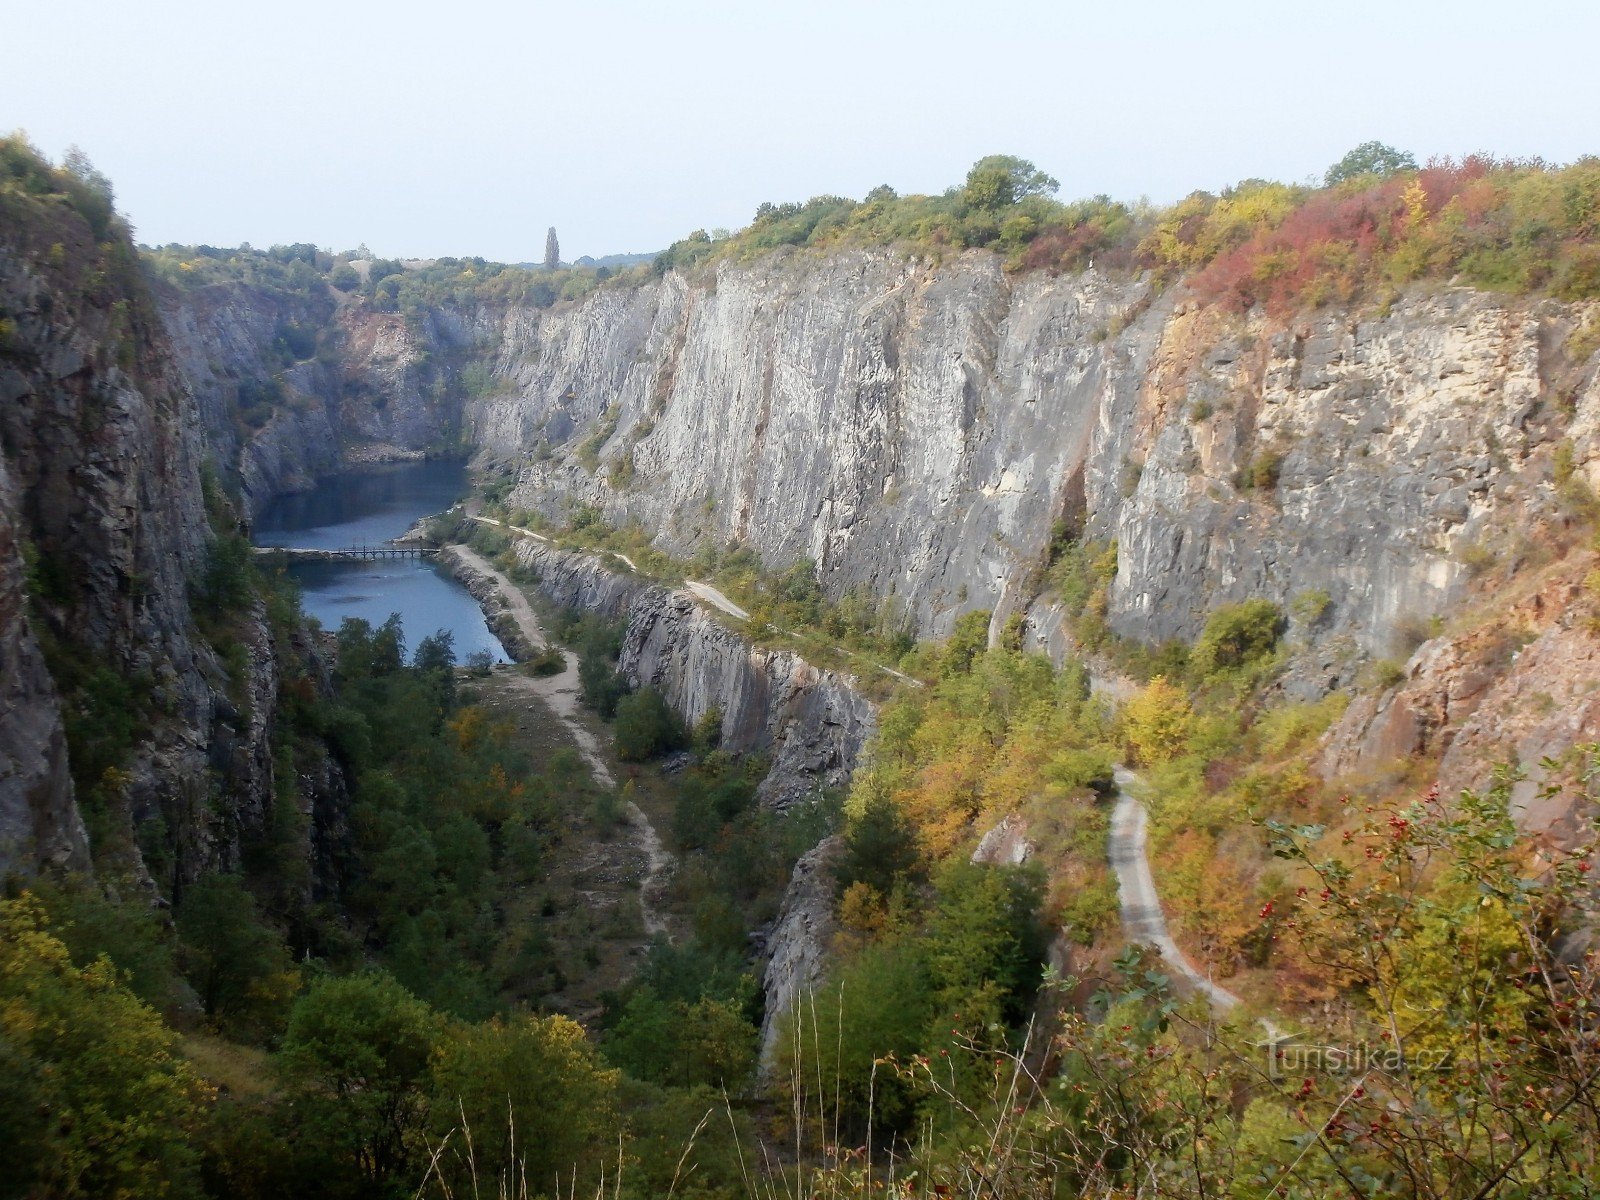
(103, 529)
(349, 385)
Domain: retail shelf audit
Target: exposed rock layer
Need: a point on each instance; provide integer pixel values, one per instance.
(104, 535)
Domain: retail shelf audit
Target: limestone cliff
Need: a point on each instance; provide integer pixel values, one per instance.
(292, 387)
(104, 532)
(921, 430)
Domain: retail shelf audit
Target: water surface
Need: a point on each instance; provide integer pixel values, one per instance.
(366, 508)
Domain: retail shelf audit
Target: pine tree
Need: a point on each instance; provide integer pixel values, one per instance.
(552, 250)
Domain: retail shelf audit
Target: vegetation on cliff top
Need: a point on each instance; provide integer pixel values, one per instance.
(1376, 223)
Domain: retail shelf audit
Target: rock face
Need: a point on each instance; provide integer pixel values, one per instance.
(810, 723)
(1520, 690)
(801, 940)
(103, 531)
(379, 387)
(920, 432)
(923, 432)
(39, 823)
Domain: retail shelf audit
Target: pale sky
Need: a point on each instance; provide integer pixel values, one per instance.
(467, 127)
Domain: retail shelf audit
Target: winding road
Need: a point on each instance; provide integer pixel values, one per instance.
(560, 694)
(1142, 918)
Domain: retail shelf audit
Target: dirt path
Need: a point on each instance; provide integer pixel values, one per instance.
(560, 695)
(1142, 918)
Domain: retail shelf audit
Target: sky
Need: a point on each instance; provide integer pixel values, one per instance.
(468, 127)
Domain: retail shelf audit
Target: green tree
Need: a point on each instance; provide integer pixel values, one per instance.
(646, 726)
(535, 1099)
(239, 966)
(96, 1101)
(355, 1065)
(880, 848)
(709, 1041)
(877, 1004)
(985, 946)
(1000, 180)
(1369, 158)
(967, 642)
(552, 250)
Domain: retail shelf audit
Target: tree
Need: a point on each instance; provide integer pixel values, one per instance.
(880, 848)
(1369, 158)
(238, 966)
(646, 726)
(535, 1099)
(96, 1101)
(1157, 722)
(91, 191)
(355, 1059)
(1000, 180)
(552, 250)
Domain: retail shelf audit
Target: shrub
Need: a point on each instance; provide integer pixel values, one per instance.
(549, 661)
(1238, 635)
(1309, 607)
(1260, 473)
(646, 726)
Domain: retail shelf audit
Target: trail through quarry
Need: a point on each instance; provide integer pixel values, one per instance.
(707, 594)
(560, 694)
(1142, 918)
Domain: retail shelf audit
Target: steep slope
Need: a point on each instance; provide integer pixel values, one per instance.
(920, 431)
(293, 386)
(105, 541)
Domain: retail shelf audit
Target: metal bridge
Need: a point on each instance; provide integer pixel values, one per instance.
(348, 553)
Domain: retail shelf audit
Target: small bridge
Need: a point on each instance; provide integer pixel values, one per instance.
(348, 553)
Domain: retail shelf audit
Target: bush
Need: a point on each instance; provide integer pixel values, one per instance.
(1238, 635)
(646, 726)
(549, 661)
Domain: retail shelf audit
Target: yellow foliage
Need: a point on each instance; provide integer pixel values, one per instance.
(1157, 722)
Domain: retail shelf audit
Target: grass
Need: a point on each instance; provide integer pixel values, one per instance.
(238, 1070)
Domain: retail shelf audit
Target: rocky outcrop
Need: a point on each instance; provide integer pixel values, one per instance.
(1005, 844)
(1516, 690)
(39, 823)
(801, 940)
(810, 723)
(104, 525)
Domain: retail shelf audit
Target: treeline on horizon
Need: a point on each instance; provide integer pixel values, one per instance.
(1377, 222)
